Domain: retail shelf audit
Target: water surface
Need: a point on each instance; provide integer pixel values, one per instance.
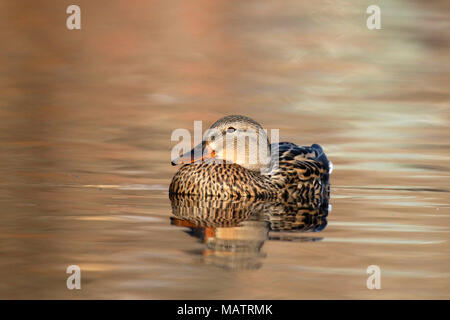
(87, 116)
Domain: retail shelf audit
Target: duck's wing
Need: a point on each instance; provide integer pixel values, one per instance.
(288, 151)
(302, 170)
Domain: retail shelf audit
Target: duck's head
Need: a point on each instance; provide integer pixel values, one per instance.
(232, 139)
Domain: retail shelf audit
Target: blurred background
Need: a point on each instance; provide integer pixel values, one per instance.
(86, 118)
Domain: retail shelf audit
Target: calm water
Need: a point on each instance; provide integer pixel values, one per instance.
(87, 116)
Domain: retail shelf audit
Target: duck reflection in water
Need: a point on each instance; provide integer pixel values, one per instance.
(234, 231)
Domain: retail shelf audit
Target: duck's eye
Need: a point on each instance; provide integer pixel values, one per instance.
(231, 130)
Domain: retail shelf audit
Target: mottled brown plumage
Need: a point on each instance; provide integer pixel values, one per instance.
(302, 173)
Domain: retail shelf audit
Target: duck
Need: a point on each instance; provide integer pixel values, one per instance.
(236, 160)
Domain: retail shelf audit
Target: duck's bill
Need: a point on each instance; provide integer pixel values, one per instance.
(198, 154)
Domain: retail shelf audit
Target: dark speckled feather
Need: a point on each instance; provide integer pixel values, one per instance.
(302, 173)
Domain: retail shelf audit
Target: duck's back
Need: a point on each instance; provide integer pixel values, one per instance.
(302, 172)
(288, 150)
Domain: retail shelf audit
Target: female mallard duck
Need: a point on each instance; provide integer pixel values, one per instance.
(257, 169)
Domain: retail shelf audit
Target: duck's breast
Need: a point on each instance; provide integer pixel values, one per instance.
(220, 180)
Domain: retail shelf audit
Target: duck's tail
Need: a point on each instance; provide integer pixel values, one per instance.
(322, 157)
